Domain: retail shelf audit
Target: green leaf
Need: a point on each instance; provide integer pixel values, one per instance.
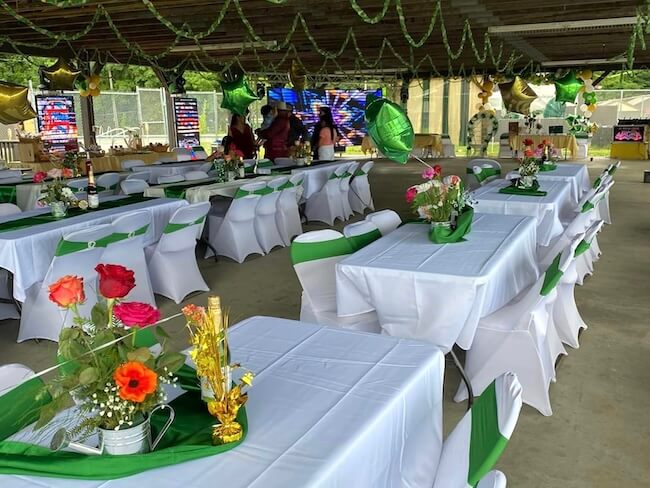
(68, 333)
(102, 337)
(171, 360)
(141, 355)
(88, 375)
(162, 333)
(99, 314)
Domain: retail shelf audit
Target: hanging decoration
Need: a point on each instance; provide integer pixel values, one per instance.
(390, 129)
(88, 85)
(237, 95)
(486, 87)
(65, 3)
(297, 75)
(59, 76)
(568, 87)
(554, 109)
(484, 118)
(589, 99)
(14, 104)
(517, 95)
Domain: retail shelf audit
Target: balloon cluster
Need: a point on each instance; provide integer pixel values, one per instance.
(589, 99)
(486, 87)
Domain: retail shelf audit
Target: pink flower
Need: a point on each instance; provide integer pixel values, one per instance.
(429, 174)
(538, 153)
(39, 177)
(454, 180)
(410, 194)
(54, 173)
(136, 314)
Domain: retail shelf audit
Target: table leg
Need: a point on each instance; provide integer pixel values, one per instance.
(468, 384)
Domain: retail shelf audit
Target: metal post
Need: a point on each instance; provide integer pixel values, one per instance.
(445, 106)
(87, 120)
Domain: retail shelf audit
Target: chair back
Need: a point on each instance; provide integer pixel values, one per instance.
(140, 175)
(108, 181)
(366, 167)
(314, 256)
(128, 164)
(476, 443)
(257, 188)
(184, 228)
(360, 234)
(276, 184)
(297, 179)
(483, 170)
(130, 187)
(9, 209)
(12, 375)
(164, 179)
(494, 479)
(80, 184)
(131, 226)
(196, 175)
(385, 220)
(341, 170)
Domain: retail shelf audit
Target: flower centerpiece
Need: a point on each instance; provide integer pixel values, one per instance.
(56, 194)
(444, 203)
(233, 163)
(301, 153)
(113, 377)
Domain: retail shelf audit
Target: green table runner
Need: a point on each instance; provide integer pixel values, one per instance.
(515, 190)
(188, 438)
(73, 212)
(548, 167)
(8, 194)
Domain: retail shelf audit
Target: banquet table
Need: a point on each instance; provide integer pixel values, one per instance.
(559, 141)
(203, 193)
(27, 252)
(328, 407)
(315, 177)
(108, 162)
(169, 169)
(549, 211)
(576, 175)
(439, 292)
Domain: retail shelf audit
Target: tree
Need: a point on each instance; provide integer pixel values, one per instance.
(628, 80)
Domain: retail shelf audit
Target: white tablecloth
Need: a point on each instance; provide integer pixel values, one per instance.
(158, 191)
(576, 175)
(550, 210)
(203, 193)
(316, 176)
(170, 169)
(328, 407)
(435, 292)
(27, 252)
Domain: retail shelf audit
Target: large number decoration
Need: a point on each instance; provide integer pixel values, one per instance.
(568, 87)
(390, 129)
(517, 96)
(237, 95)
(483, 117)
(14, 105)
(297, 75)
(59, 76)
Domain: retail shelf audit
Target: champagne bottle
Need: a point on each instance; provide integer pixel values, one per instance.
(91, 190)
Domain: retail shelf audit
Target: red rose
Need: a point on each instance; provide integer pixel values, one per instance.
(136, 314)
(67, 291)
(528, 142)
(540, 146)
(115, 281)
(438, 169)
(410, 194)
(529, 153)
(39, 177)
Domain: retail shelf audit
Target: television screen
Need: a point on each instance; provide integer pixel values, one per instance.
(57, 121)
(348, 108)
(628, 133)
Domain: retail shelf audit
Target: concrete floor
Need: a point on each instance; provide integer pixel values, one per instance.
(599, 434)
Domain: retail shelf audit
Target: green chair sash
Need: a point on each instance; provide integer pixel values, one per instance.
(613, 169)
(362, 240)
(486, 442)
(485, 173)
(588, 205)
(597, 182)
(68, 247)
(264, 163)
(170, 227)
(441, 235)
(286, 185)
(107, 188)
(552, 276)
(302, 252)
(175, 192)
(582, 247)
(8, 194)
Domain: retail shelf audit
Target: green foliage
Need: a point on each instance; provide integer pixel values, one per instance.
(626, 80)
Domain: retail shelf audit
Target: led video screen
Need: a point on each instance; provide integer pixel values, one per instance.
(57, 121)
(348, 108)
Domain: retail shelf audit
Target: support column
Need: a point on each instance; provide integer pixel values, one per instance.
(87, 120)
(168, 107)
(445, 106)
(464, 111)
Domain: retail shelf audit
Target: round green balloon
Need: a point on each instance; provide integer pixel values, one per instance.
(390, 129)
(237, 96)
(567, 88)
(589, 98)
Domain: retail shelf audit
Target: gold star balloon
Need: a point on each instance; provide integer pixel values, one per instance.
(14, 105)
(517, 96)
(237, 95)
(60, 76)
(297, 76)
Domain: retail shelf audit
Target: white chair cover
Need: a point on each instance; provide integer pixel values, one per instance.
(233, 234)
(385, 220)
(492, 419)
(77, 254)
(130, 187)
(128, 164)
(266, 227)
(9, 209)
(108, 182)
(314, 256)
(164, 179)
(362, 233)
(139, 175)
(128, 251)
(284, 162)
(494, 479)
(287, 217)
(205, 167)
(481, 171)
(172, 263)
(585, 260)
(359, 196)
(11, 375)
(325, 205)
(344, 188)
(80, 184)
(197, 175)
(7, 310)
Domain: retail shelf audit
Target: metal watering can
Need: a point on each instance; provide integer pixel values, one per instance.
(134, 440)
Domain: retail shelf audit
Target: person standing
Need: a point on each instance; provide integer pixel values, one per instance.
(325, 135)
(241, 135)
(297, 131)
(276, 136)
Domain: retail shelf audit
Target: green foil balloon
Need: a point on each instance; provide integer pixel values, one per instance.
(567, 88)
(237, 96)
(390, 129)
(589, 98)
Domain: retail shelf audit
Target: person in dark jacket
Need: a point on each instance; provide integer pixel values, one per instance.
(277, 135)
(297, 130)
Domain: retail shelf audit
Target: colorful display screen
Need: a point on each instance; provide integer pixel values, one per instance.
(633, 133)
(186, 111)
(348, 108)
(57, 121)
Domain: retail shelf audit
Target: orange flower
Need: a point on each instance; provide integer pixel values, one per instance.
(135, 381)
(67, 291)
(192, 312)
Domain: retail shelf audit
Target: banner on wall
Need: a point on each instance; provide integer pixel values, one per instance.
(57, 122)
(186, 115)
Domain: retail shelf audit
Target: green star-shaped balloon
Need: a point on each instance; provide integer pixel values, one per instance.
(567, 88)
(390, 129)
(237, 96)
(589, 98)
